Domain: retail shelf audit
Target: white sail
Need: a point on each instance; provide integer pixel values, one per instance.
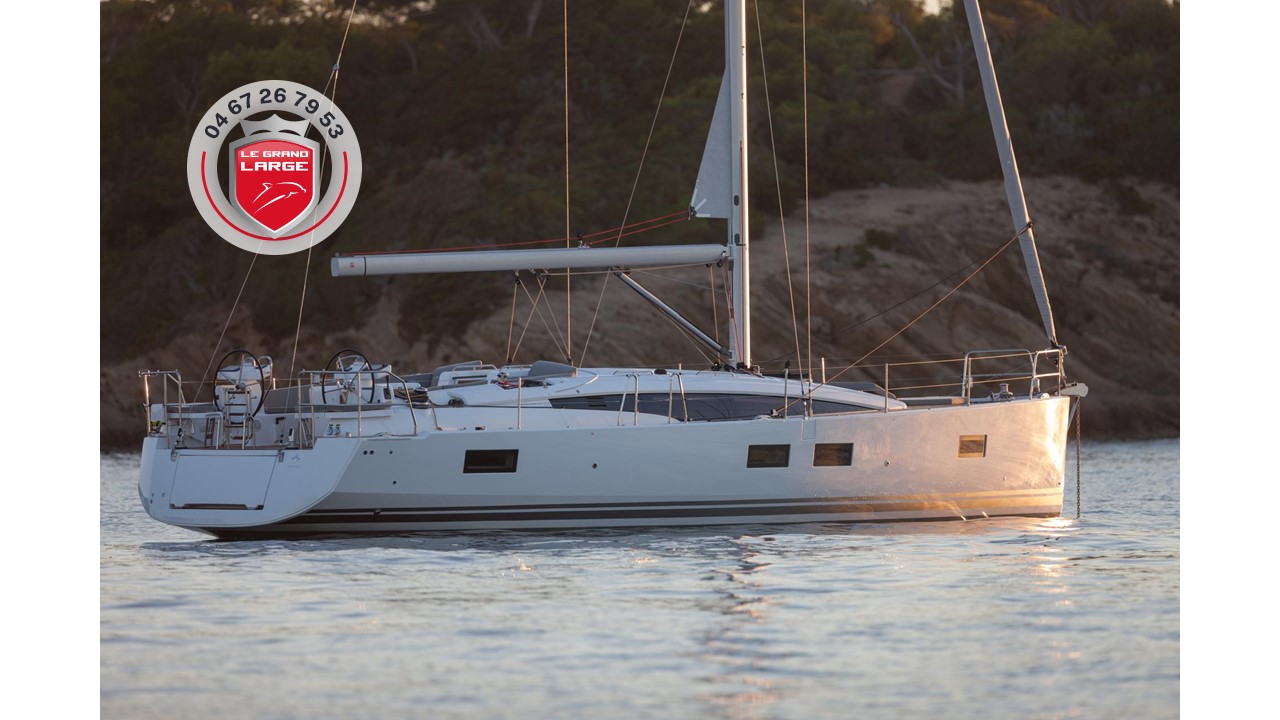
(713, 191)
(483, 261)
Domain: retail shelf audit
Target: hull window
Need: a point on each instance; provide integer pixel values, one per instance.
(766, 456)
(973, 446)
(490, 461)
(832, 454)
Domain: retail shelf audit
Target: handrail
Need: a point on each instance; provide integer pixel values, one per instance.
(181, 414)
(407, 401)
(635, 421)
(886, 387)
(1032, 371)
(167, 376)
(359, 389)
(684, 401)
(1033, 361)
(671, 384)
(786, 389)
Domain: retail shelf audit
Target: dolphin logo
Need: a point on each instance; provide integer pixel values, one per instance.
(283, 190)
(274, 179)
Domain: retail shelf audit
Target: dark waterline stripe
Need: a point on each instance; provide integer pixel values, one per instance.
(367, 524)
(480, 515)
(989, 495)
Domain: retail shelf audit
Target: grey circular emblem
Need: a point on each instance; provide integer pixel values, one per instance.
(285, 191)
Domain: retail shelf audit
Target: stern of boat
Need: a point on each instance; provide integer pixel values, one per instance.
(212, 490)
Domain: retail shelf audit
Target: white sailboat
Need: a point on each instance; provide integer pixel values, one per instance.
(359, 448)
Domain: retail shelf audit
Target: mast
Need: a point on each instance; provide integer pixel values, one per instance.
(721, 188)
(739, 266)
(1009, 167)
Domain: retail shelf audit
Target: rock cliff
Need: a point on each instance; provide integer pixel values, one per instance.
(1110, 254)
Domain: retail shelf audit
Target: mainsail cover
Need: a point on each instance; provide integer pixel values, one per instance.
(713, 192)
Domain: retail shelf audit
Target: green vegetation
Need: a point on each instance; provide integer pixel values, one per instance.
(458, 105)
(881, 239)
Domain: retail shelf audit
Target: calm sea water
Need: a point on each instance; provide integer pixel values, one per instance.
(1009, 618)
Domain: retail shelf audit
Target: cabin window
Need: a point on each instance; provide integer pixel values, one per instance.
(588, 402)
(701, 406)
(832, 454)
(830, 407)
(490, 461)
(765, 456)
(973, 446)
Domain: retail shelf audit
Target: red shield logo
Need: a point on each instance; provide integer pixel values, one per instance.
(275, 177)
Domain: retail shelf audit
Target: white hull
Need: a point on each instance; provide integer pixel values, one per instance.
(905, 465)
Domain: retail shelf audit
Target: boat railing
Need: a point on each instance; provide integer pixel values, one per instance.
(635, 405)
(1031, 374)
(158, 418)
(321, 380)
(674, 381)
(173, 408)
(977, 375)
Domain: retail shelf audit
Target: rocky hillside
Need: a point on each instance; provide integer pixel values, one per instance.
(1109, 250)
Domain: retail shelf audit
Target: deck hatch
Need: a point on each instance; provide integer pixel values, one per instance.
(766, 456)
(973, 446)
(832, 454)
(490, 461)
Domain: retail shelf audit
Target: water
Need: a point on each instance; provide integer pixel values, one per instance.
(1008, 618)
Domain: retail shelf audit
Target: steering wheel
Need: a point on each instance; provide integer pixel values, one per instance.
(352, 361)
(242, 368)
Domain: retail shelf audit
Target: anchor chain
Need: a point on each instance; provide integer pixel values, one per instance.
(1079, 403)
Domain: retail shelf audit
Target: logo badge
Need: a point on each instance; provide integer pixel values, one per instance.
(275, 171)
(292, 167)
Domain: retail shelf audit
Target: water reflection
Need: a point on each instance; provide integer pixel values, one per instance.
(737, 643)
(905, 619)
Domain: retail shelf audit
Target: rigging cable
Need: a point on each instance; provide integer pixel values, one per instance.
(557, 338)
(612, 270)
(837, 333)
(633, 228)
(1079, 404)
(777, 181)
(511, 326)
(929, 309)
(226, 325)
(808, 287)
(688, 336)
(670, 66)
(672, 279)
(568, 284)
(715, 316)
(528, 319)
(306, 274)
(728, 302)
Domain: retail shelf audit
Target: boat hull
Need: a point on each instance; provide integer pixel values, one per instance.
(904, 465)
